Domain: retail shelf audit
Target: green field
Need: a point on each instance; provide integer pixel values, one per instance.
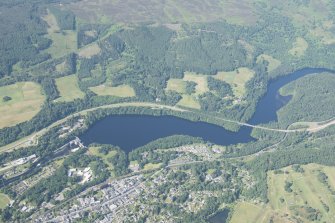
(119, 91)
(95, 152)
(237, 79)
(26, 101)
(68, 89)
(199, 79)
(189, 101)
(4, 200)
(89, 51)
(326, 36)
(150, 166)
(307, 191)
(299, 47)
(273, 63)
(179, 85)
(255, 213)
(63, 42)
(176, 85)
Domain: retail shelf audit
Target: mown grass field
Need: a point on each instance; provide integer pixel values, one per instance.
(237, 79)
(63, 42)
(307, 190)
(4, 200)
(119, 91)
(68, 89)
(26, 101)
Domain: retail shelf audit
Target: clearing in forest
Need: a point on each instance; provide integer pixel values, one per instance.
(63, 42)
(24, 101)
(299, 47)
(94, 151)
(237, 79)
(89, 51)
(68, 88)
(180, 85)
(304, 192)
(199, 79)
(189, 101)
(119, 91)
(324, 32)
(273, 63)
(177, 85)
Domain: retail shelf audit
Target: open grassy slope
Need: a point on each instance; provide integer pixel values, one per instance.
(63, 41)
(307, 192)
(26, 101)
(119, 91)
(4, 200)
(68, 89)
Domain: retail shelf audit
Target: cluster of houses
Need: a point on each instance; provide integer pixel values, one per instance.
(197, 149)
(111, 198)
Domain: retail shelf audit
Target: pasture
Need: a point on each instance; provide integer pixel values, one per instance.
(255, 213)
(273, 63)
(189, 101)
(199, 79)
(177, 85)
(26, 99)
(68, 89)
(89, 51)
(122, 91)
(63, 42)
(237, 79)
